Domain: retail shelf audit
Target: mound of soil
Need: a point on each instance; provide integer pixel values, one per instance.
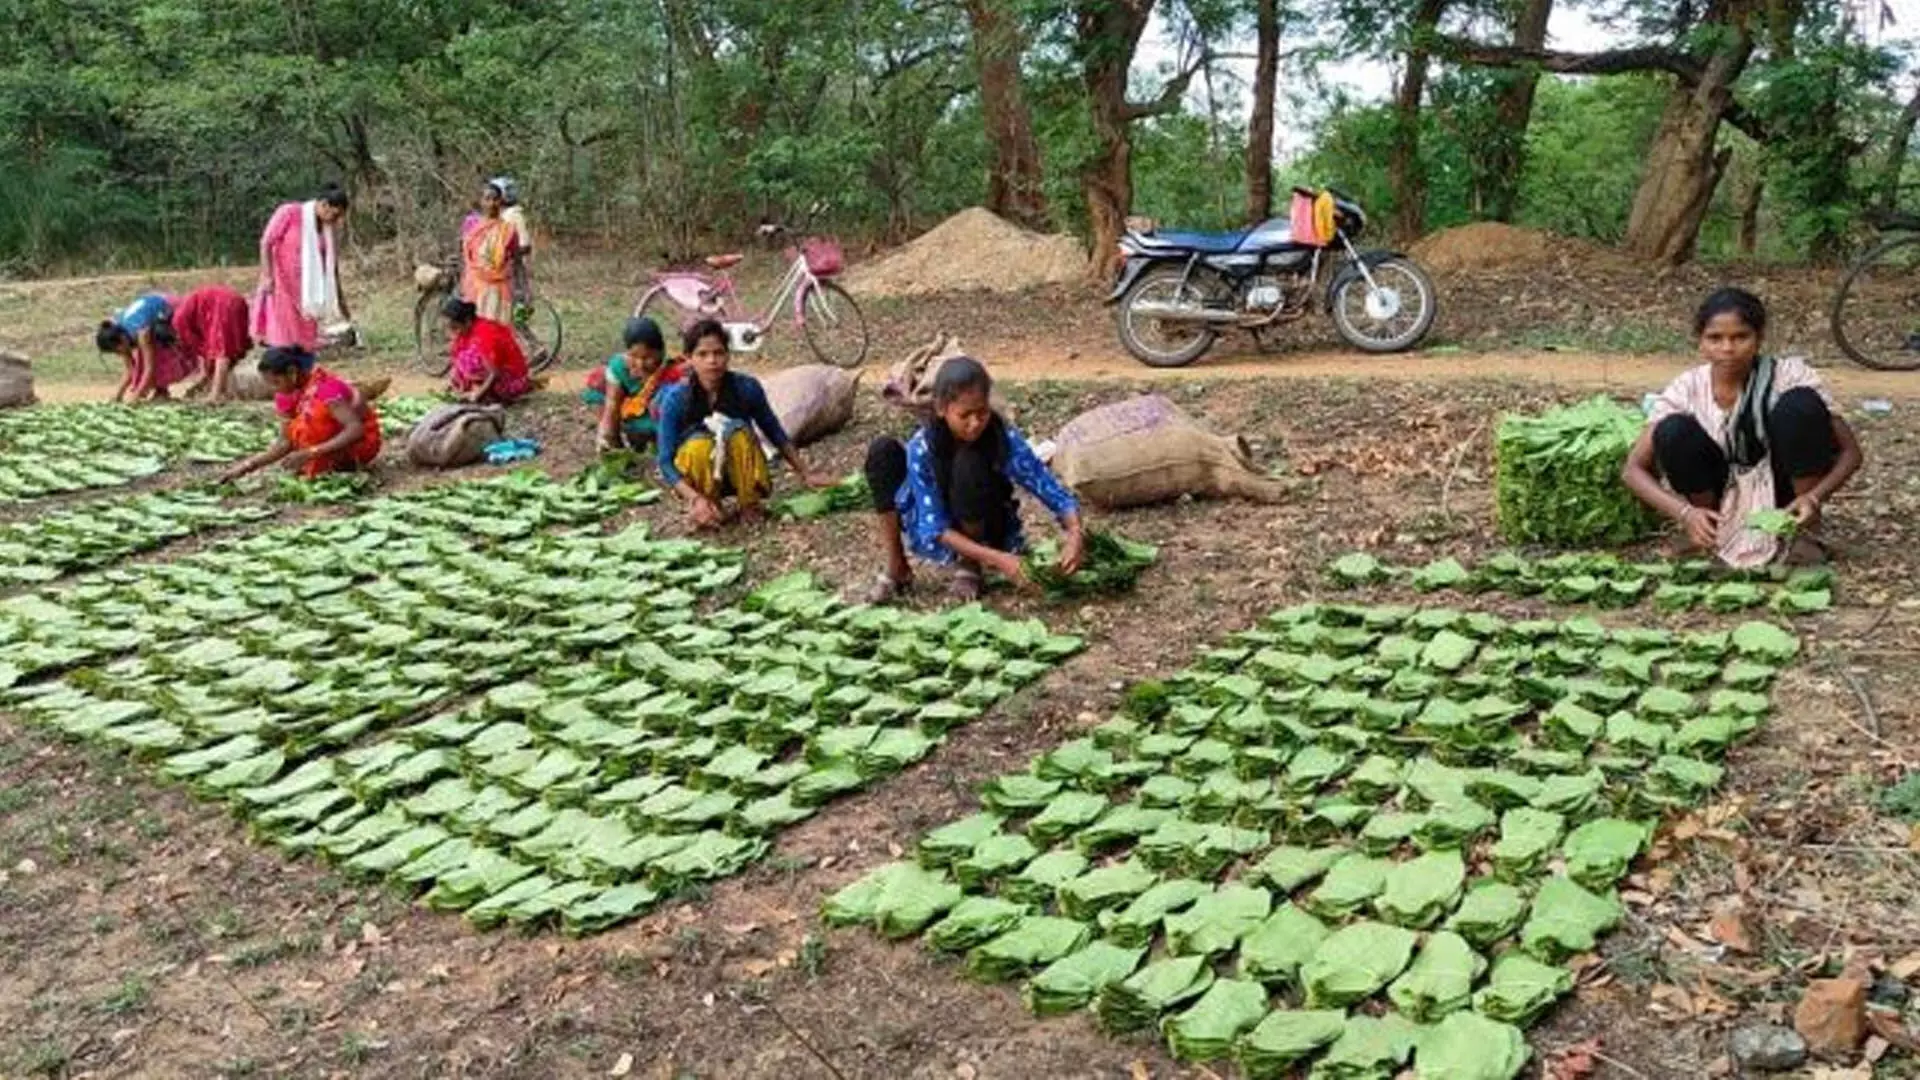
(1485, 245)
(975, 250)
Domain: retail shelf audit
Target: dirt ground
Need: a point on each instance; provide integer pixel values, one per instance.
(143, 935)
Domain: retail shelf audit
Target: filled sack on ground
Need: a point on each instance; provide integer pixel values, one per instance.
(455, 435)
(812, 400)
(16, 380)
(1105, 458)
(910, 382)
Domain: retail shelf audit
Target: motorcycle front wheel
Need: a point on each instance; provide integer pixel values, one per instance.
(1390, 315)
(1164, 343)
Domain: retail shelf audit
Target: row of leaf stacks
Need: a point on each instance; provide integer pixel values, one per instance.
(1359, 835)
(1604, 580)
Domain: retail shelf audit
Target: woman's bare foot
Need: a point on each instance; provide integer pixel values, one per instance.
(885, 589)
(967, 584)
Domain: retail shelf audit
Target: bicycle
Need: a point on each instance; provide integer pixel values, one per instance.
(536, 323)
(823, 312)
(1875, 315)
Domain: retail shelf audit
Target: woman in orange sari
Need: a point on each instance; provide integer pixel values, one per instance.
(488, 367)
(329, 426)
(489, 247)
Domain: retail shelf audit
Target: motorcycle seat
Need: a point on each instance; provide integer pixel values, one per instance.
(723, 262)
(1207, 243)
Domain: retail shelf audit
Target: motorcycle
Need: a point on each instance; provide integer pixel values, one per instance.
(1179, 290)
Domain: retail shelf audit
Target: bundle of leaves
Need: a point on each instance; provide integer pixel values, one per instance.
(322, 490)
(1557, 476)
(850, 494)
(1109, 563)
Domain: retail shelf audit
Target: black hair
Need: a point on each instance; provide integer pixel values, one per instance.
(335, 196)
(460, 311)
(1730, 300)
(111, 337)
(282, 359)
(644, 331)
(959, 375)
(702, 330)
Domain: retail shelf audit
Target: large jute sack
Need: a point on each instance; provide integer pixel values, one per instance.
(812, 401)
(1107, 462)
(454, 435)
(16, 380)
(910, 382)
(1122, 418)
(248, 384)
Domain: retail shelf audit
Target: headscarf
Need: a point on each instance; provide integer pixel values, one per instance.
(509, 191)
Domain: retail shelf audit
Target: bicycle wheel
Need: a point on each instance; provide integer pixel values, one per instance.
(836, 330)
(1876, 311)
(542, 335)
(430, 341)
(669, 316)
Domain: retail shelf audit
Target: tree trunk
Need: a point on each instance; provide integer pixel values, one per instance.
(1266, 72)
(1749, 239)
(1108, 34)
(1015, 186)
(1514, 109)
(1683, 166)
(1887, 191)
(1405, 178)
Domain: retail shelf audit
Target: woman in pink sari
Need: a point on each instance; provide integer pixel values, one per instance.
(299, 281)
(489, 248)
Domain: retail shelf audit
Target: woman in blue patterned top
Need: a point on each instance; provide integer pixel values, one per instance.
(947, 493)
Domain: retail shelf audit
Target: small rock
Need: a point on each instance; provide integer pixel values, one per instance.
(1768, 1048)
(1887, 990)
(1832, 1016)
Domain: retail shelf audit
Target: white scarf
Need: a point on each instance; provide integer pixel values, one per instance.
(319, 281)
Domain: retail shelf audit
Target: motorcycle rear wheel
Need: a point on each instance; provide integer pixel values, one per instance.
(1157, 342)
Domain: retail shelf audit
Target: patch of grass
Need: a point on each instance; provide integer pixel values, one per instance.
(237, 1067)
(44, 1058)
(357, 1049)
(1637, 339)
(813, 956)
(13, 798)
(1901, 799)
(228, 922)
(152, 827)
(102, 924)
(276, 950)
(131, 996)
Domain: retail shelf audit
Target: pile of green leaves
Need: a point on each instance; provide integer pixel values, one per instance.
(850, 494)
(617, 744)
(105, 531)
(399, 414)
(1557, 476)
(1604, 580)
(1110, 563)
(59, 449)
(1382, 829)
(324, 490)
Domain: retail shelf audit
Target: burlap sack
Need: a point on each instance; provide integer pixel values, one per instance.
(1108, 463)
(812, 401)
(1122, 418)
(910, 382)
(454, 435)
(16, 380)
(430, 278)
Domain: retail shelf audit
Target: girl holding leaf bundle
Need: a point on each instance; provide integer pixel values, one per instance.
(707, 425)
(947, 493)
(1741, 435)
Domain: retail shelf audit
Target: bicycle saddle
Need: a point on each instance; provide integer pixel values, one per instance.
(723, 262)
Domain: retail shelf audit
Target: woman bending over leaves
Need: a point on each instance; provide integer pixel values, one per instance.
(704, 468)
(329, 426)
(947, 493)
(1741, 435)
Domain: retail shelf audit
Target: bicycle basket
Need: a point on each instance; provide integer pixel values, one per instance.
(823, 256)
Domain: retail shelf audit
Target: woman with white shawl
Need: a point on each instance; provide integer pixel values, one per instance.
(299, 290)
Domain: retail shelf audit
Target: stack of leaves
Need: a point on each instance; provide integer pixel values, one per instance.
(850, 494)
(1605, 580)
(322, 490)
(1109, 563)
(1557, 476)
(1363, 836)
(618, 747)
(108, 530)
